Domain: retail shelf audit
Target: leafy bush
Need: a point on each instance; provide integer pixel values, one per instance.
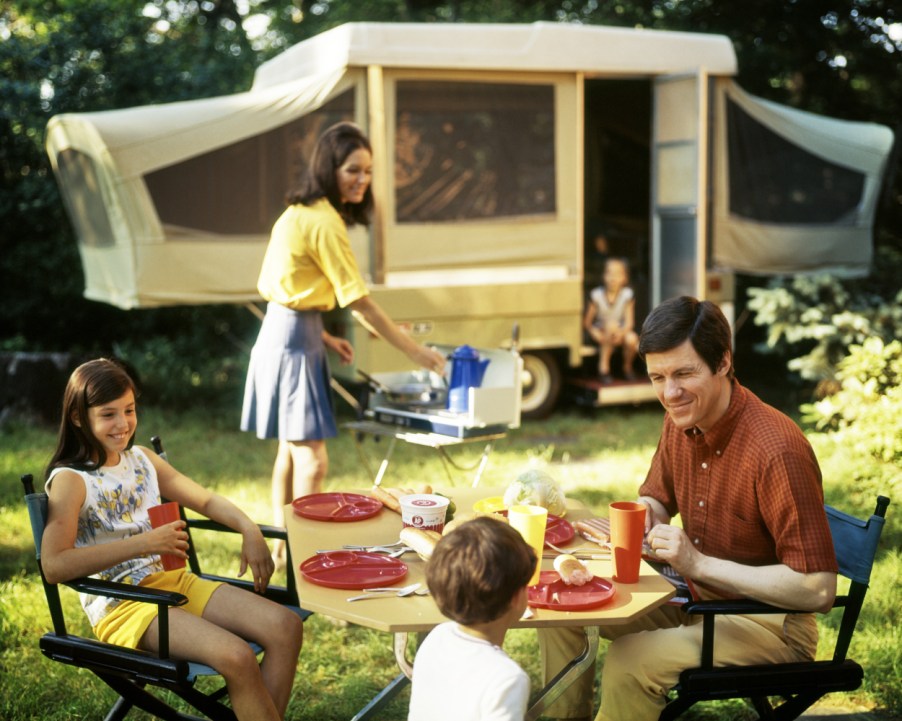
(819, 318)
(866, 411)
(179, 372)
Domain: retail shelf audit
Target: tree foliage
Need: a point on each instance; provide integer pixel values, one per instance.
(59, 56)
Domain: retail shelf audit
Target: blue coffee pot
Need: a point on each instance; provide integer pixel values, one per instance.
(467, 371)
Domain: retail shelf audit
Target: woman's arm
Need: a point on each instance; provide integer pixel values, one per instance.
(62, 561)
(176, 486)
(377, 319)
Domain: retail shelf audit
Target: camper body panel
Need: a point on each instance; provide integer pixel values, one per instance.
(502, 154)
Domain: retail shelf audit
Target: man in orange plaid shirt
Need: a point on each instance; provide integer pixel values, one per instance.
(747, 487)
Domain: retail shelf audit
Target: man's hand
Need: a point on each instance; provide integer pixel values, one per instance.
(671, 544)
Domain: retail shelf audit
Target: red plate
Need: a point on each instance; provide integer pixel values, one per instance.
(551, 592)
(352, 569)
(557, 530)
(336, 506)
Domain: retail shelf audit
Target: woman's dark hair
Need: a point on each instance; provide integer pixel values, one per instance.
(331, 151)
(701, 322)
(477, 569)
(91, 384)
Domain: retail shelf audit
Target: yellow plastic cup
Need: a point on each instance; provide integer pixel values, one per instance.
(530, 521)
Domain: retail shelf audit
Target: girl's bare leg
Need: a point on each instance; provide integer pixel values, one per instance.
(604, 358)
(258, 692)
(277, 629)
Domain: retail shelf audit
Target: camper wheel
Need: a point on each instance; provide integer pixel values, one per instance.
(541, 383)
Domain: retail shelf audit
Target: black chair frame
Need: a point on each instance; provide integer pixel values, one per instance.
(796, 685)
(129, 672)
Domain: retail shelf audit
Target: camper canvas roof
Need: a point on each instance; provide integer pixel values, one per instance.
(537, 47)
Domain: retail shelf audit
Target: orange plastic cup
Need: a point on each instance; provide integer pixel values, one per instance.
(530, 521)
(627, 533)
(160, 516)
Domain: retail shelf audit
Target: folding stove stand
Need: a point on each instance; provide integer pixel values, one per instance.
(437, 441)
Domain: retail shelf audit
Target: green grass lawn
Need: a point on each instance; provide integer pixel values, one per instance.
(597, 456)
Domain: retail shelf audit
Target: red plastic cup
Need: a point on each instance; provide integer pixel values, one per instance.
(160, 516)
(627, 533)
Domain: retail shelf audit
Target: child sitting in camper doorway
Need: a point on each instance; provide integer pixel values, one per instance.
(478, 576)
(610, 318)
(100, 487)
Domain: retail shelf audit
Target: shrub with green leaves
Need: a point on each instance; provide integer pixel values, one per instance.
(866, 411)
(820, 317)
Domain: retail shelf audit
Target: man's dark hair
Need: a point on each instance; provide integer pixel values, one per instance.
(477, 569)
(676, 320)
(319, 180)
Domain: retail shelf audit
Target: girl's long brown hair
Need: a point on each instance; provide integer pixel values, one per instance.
(91, 384)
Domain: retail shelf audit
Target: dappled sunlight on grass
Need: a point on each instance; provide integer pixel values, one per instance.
(597, 457)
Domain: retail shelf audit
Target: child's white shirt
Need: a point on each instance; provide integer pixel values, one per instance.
(457, 676)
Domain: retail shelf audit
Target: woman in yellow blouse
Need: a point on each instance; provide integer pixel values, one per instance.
(309, 266)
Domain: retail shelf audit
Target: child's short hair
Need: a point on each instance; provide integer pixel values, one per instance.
(477, 569)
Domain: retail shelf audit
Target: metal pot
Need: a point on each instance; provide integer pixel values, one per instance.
(409, 394)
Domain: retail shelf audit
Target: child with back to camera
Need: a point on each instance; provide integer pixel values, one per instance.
(100, 487)
(478, 576)
(610, 319)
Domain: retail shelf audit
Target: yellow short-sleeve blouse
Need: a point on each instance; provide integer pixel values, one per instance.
(309, 263)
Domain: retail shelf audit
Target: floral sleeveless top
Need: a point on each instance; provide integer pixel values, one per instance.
(115, 507)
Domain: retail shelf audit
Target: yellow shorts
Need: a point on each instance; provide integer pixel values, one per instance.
(127, 622)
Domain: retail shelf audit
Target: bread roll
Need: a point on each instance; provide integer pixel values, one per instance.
(388, 500)
(421, 541)
(571, 570)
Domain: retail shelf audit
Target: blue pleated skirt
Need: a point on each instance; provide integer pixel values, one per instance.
(287, 393)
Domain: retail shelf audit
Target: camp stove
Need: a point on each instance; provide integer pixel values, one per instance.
(491, 408)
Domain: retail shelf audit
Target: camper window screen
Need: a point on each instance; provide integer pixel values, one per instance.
(80, 188)
(466, 151)
(773, 180)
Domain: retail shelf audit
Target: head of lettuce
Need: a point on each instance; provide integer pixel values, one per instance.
(536, 488)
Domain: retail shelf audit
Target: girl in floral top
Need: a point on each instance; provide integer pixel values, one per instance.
(100, 487)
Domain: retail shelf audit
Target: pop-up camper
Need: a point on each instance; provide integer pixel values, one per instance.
(501, 152)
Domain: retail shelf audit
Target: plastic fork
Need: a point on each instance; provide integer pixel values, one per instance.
(370, 548)
(399, 593)
(387, 550)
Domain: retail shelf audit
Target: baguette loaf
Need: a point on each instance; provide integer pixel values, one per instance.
(421, 541)
(388, 500)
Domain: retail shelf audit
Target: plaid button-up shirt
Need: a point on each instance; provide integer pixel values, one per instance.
(748, 490)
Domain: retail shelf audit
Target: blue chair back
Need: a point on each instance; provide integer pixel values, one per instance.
(855, 540)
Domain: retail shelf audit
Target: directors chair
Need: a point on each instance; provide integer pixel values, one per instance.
(130, 671)
(793, 686)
